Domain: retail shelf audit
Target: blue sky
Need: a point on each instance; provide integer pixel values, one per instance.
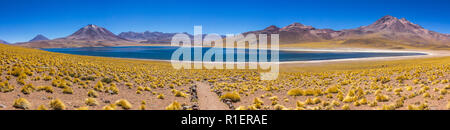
(21, 20)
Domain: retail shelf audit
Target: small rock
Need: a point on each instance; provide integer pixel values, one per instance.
(231, 106)
(2, 106)
(195, 107)
(226, 100)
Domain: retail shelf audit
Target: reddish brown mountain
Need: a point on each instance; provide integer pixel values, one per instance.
(39, 38)
(386, 28)
(88, 36)
(296, 32)
(94, 33)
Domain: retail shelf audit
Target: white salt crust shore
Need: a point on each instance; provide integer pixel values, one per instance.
(428, 53)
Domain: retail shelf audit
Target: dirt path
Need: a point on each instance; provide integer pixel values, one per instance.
(208, 100)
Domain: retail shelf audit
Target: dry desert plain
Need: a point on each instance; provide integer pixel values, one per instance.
(33, 79)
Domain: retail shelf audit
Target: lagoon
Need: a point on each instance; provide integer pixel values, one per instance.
(165, 53)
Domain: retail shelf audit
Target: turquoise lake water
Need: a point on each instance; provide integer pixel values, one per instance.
(165, 53)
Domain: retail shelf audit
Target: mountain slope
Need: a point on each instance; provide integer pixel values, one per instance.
(94, 33)
(4, 42)
(39, 38)
(88, 36)
(154, 37)
(148, 37)
(392, 28)
(387, 28)
(297, 32)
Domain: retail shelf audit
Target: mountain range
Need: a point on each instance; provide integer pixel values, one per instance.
(149, 37)
(88, 36)
(386, 29)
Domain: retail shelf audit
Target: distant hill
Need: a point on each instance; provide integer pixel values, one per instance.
(153, 37)
(88, 36)
(4, 42)
(39, 38)
(149, 37)
(297, 32)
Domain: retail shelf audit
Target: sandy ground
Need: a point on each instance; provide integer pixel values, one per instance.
(208, 100)
(77, 99)
(429, 53)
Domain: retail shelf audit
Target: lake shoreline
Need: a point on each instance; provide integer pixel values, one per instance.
(427, 53)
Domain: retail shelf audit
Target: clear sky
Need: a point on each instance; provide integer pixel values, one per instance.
(21, 20)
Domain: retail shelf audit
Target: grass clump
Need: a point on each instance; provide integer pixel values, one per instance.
(124, 104)
(82, 108)
(48, 89)
(6, 87)
(57, 104)
(333, 89)
(22, 103)
(346, 107)
(178, 93)
(232, 96)
(92, 93)
(67, 90)
(295, 92)
(279, 107)
(107, 80)
(112, 89)
(388, 107)
(448, 106)
(142, 107)
(41, 107)
(258, 103)
(28, 89)
(99, 86)
(91, 102)
(160, 96)
(129, 84)
(174, 106)
(382, 98)
(109, 107)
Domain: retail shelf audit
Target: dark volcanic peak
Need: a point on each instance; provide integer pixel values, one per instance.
(94, 33)
(393, 24)
(39, 38)
(297, 27)
(402, 29)
(272, 28)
